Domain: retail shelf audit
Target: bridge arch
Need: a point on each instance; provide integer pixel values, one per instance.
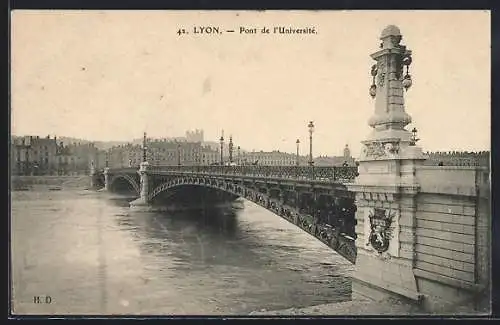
(127, 178)
(342, 244)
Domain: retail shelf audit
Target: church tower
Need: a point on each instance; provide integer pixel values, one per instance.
(347, 152)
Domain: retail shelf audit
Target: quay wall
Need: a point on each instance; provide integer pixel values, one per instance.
(44, 182)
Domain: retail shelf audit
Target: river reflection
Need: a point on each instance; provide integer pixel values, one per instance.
(94, 255)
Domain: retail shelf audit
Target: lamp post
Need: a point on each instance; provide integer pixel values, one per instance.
(239, 162)
(18, 164)
(178, 154)
(144, 148)
(230, 149)
(107, 159)
(414, 139)
(28, 162)
(297, 158)
(311, 130)
(221, 150)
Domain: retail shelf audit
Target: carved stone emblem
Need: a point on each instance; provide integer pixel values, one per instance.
(381, 72)
(391, 148)
(381, 149)
(375, 150)
(381, 79)
(380, 229)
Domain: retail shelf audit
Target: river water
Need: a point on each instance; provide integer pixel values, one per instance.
(91, 255)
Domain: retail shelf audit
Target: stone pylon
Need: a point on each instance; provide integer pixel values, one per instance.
(93, 175)
(143, 172)
(386, 187)
(106, 179)
(143, 201)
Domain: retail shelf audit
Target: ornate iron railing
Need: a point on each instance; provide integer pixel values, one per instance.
(337, 237)
(327, 174)
(124, 170)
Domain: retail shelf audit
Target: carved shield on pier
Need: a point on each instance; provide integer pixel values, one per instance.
(380, 229)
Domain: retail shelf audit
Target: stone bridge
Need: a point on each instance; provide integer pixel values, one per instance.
(315, 199)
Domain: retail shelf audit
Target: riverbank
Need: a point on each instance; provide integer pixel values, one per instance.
(362, 307)
(26, 183)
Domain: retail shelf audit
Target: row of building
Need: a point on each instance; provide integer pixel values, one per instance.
(178, 152)
(34, 155)
(162, 152)
(458, 158)
(277, 158)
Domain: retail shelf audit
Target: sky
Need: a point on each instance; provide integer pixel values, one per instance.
(111, 75)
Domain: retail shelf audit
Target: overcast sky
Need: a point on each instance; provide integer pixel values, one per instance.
(111, 75)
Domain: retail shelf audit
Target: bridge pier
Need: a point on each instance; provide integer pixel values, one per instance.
(106, 179)
(386, 187)
(93, 176)
(418, 228)
(142, 203)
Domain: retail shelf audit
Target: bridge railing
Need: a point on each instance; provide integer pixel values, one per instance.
(322, 173)
(125, 170)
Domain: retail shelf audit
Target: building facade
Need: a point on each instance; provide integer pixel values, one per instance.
(458, 158)
(33, 155)
(162, 152)
(345, 160)
(209, 155)
(66, 160)
(121, 156)
(270, 158)
(75, 158)
(195, 136)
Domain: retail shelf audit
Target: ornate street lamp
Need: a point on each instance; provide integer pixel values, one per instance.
(407, 82)
(144, 149)
(239, 162)
(403, 59)
(28, 169)
(221, 150)
(311, 130)
(373, 87)
(178, 154)
(414, 139)
(297, 158)
(230, 149)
